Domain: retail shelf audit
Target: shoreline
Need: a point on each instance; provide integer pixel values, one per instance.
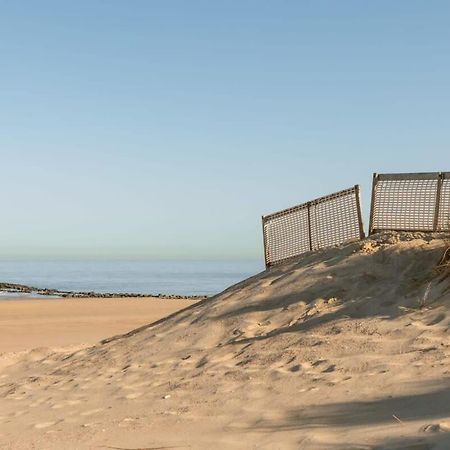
(17, 289)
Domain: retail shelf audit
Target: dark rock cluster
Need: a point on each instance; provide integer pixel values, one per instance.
(20, 288)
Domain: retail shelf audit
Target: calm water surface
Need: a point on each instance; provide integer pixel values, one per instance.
(166, 277)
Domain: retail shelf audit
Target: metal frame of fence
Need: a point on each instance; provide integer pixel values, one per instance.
(320, 223)
(410, 202)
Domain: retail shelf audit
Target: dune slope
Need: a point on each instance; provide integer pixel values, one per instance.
(345, 348)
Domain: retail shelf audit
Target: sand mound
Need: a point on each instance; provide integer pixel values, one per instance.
(345, 348)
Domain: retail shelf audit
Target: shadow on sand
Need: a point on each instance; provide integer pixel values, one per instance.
(430, 412)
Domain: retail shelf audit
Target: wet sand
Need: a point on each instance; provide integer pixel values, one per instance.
(34, 323)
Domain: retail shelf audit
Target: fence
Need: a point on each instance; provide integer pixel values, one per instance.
(320, 223)
(410, 202)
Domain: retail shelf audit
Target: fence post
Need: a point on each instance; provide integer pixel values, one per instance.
(266, 256)
(372, 203)
(440, 181)
(309, 225)
(358, 209)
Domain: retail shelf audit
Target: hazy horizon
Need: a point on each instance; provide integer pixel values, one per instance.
(164, 130)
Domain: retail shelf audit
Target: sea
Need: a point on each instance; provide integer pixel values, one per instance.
(141, 277)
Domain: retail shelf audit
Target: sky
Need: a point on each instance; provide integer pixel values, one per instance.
(151, 129)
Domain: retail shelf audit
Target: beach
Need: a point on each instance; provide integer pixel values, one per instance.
(35, 323)
(345, 348)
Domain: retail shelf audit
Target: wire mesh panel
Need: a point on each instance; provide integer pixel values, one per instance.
(410, 202)
(287, 234)
(320, 223)
(335, 219)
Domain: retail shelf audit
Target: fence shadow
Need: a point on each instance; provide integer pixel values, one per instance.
(430, 408)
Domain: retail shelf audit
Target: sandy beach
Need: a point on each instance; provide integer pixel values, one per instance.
(34, 323)
(344, 348)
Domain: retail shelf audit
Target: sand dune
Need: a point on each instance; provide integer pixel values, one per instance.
(345, 348)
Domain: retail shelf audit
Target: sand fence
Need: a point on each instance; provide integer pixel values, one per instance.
(400, 202)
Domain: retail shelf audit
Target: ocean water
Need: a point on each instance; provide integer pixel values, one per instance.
(147, 277)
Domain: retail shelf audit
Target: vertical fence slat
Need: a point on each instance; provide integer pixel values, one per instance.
(358, 211)
(438, 200)
(266, 256)
(372, 203)
(309, 226)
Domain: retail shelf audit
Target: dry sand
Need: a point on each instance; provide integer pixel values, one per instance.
(346, 348)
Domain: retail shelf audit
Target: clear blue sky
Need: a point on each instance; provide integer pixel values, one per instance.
(149, 129)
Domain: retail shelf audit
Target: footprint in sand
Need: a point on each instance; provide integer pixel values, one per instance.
(318, 362)
(439, 318)
(90, 412)
(133, 396)
(58, 405)
(434, 321)
(437, 427)
(36, 403)
(42, 425)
